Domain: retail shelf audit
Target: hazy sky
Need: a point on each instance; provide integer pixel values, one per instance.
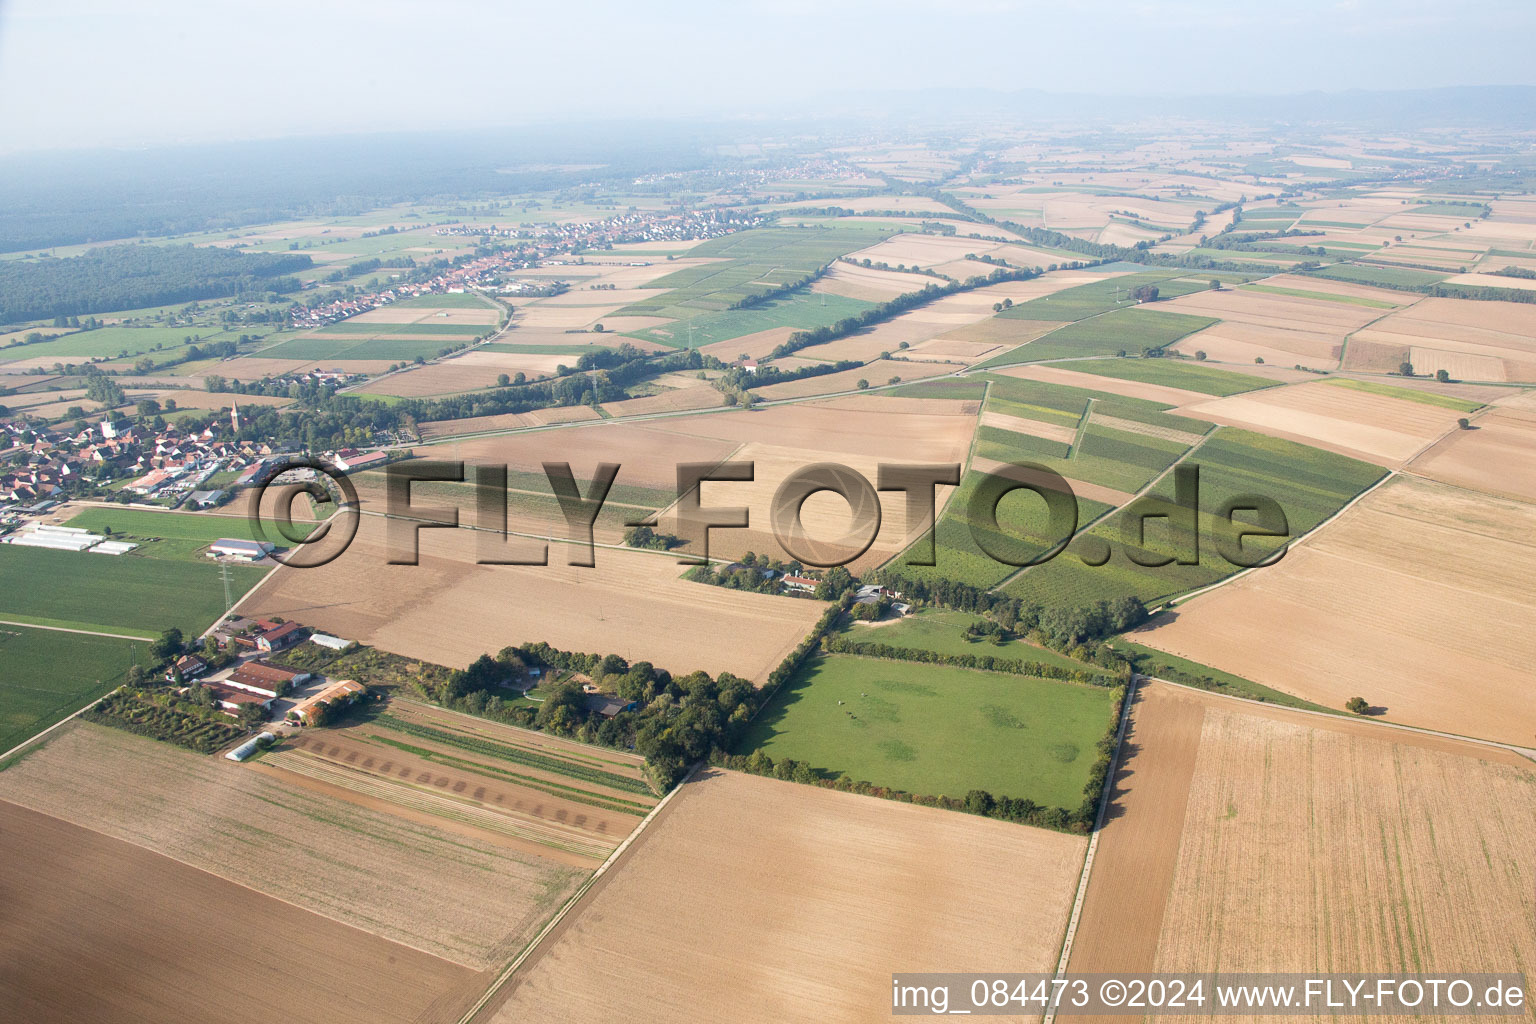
(87, 72)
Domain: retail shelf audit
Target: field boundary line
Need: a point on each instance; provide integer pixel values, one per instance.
(1389, 475)
(1093, 841)
(1082, 530)
(1526, 752)
(570, 904)
(1176, 599)
(1082, 428)
(61, 722)
(87, 632)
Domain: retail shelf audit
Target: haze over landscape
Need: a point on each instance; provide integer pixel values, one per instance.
(368, 377)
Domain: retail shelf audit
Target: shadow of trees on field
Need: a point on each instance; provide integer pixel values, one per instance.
(1124, 768)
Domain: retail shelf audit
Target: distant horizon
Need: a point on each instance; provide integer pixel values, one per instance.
(904, 107)
(83, 74)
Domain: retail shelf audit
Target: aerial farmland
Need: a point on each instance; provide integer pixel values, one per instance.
(714, 568)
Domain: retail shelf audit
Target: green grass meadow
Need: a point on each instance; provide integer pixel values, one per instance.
(45, 676)
(936, 729)
(164, 582)
(116, 342)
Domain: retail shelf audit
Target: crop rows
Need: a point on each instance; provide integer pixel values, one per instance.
(514, 754)
(584, 796)
(433, 803)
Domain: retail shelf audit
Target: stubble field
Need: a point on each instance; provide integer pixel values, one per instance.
(409, 881)
(800, 902)
(102, 930)
(449, 610)
(1417, 599)
(1189, 874)
(1376, 427)
(1498, 457)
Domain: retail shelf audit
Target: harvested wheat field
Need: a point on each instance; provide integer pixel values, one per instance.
(1498, 457)
(699, 396)
(1189, 875)
(648, 453)
(396, 314)
(754, 346)
(409, 882)
(867, 283)
(1282, 329)
(505, 421)
(824, 517)
(1139, 844)
(878, 372)
(1108, 385)
(97, 929)
(1470, 340)
(455, 376)
(1004, 332)
(896, 430)
(1401, 840)
(1418, 599)
(1377, 428)
(450, 610)
(751, 899)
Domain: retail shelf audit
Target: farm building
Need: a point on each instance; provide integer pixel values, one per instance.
(206, 499)
(350, 461)
(231, 700)
(189, 665)
(56, 538)
(267, 680)
(313, 710)
(250, 550)
(803, 584)
(113, 547)
(250, 747)
(607, 705)
(280, 637)
(335, 643)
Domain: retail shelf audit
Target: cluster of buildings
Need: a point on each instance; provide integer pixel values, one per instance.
(66, 538)
(169, 463)
(257, 681)
(620, 229)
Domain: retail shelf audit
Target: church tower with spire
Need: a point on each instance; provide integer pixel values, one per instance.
(234, 416)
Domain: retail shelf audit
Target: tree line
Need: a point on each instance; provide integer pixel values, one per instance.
(986, 662)
(135, 276)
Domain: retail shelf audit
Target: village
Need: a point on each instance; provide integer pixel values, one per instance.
(538, 245)
(169, 467)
